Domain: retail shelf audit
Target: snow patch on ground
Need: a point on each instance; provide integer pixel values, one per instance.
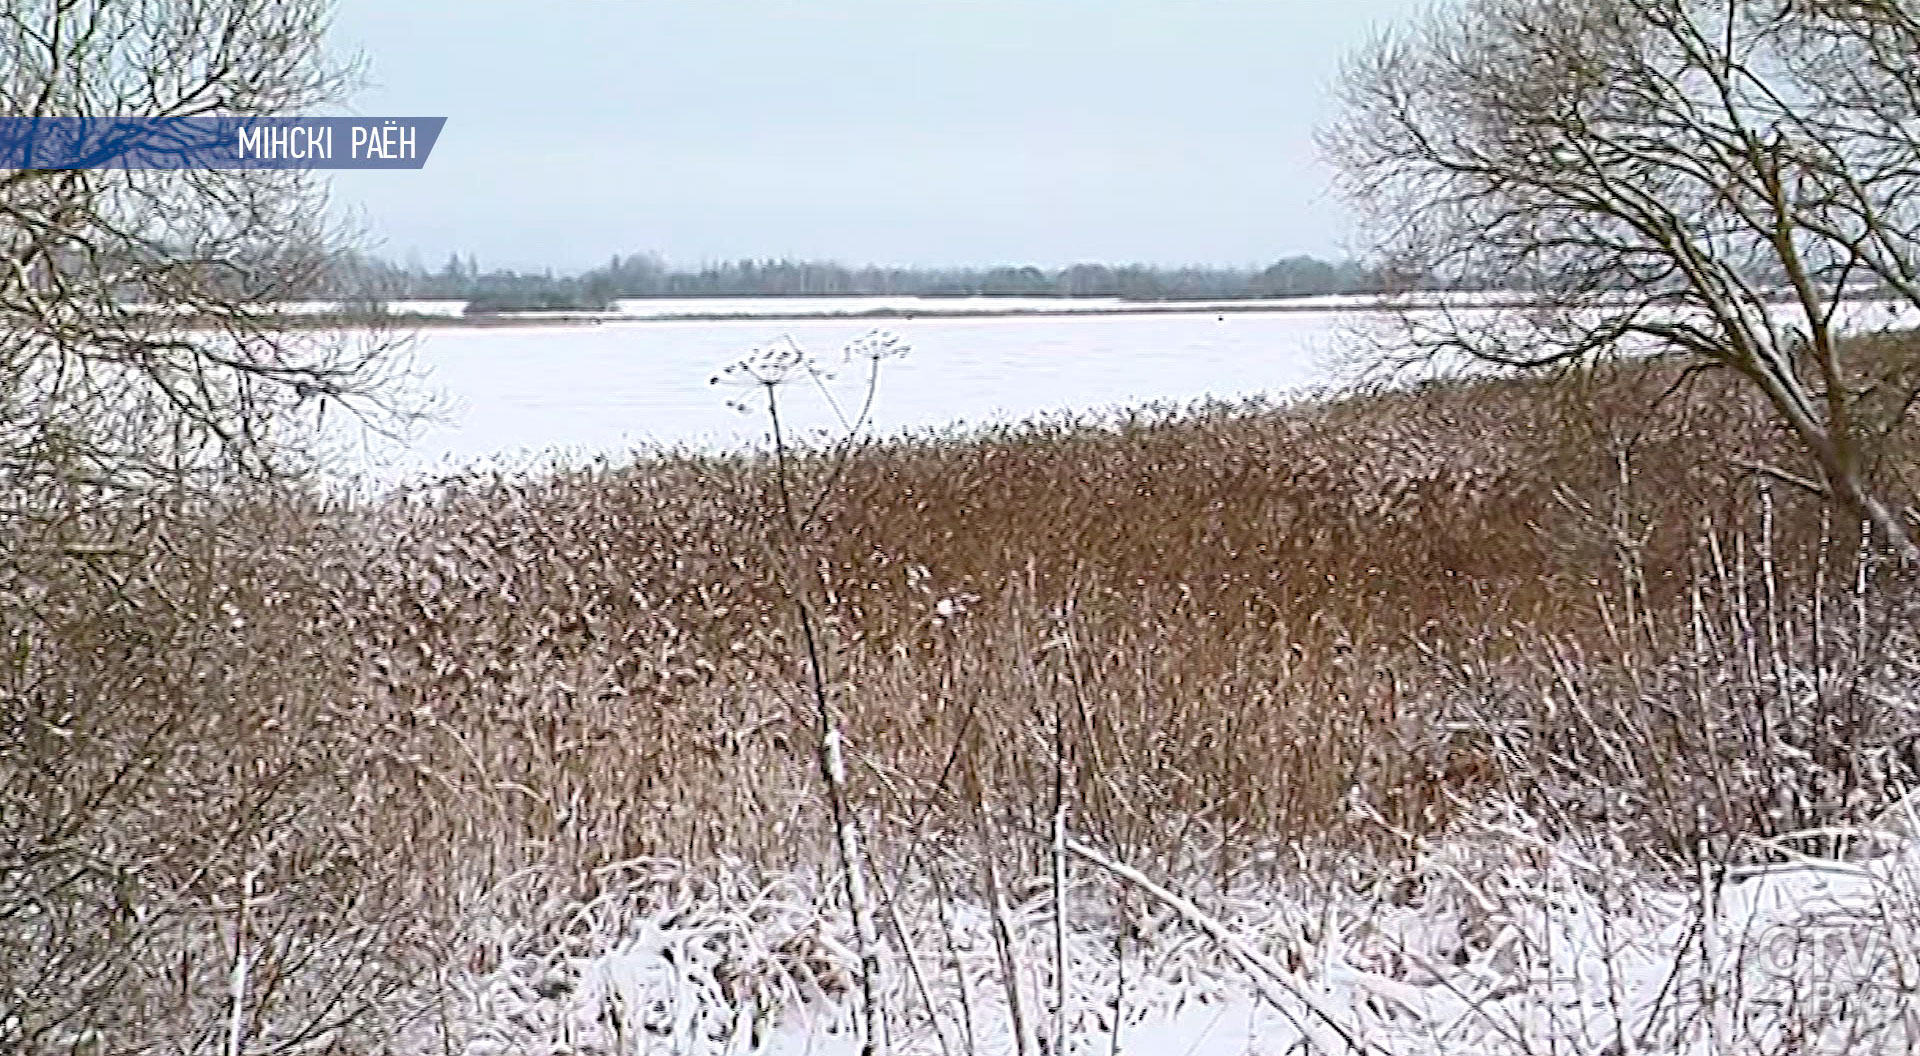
(1492, 941)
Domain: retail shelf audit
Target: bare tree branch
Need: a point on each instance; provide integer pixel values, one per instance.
(133, 344)
(1709, 178)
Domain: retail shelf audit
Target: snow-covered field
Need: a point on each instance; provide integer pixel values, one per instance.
(669, 307)
(441, 309)
(517, 393)
(672, 307)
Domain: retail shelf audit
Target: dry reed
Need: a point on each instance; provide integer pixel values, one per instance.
(413, 722)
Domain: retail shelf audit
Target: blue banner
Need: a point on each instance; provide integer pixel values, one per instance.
(217, 142)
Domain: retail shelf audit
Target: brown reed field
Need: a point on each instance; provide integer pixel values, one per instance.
(376, 735)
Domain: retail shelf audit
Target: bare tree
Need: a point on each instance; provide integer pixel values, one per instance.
(1721, 178)
(175, 872)
(133, 348)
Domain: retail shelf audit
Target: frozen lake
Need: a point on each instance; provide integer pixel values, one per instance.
(518, 394)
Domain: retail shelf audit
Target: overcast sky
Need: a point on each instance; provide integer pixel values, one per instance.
(885, 131)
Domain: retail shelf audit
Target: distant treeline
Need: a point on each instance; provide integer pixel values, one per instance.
(645, 275)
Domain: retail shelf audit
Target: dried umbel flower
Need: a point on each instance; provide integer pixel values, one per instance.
(782, 360)
(775, 363)
(877, 345)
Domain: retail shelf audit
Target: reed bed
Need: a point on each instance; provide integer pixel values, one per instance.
(299, 760)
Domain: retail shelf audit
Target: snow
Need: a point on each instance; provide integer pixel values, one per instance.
(516, 395)
(519, 393)
(441, 308)
(670, 307)
(1490, 941)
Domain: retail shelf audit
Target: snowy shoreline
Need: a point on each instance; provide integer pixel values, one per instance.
(1492, 940)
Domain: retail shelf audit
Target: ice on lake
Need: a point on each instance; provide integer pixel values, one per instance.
(520, 395)
(516, 395)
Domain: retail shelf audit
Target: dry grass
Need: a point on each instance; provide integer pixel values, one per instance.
(411, 718)
(1236, 602)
